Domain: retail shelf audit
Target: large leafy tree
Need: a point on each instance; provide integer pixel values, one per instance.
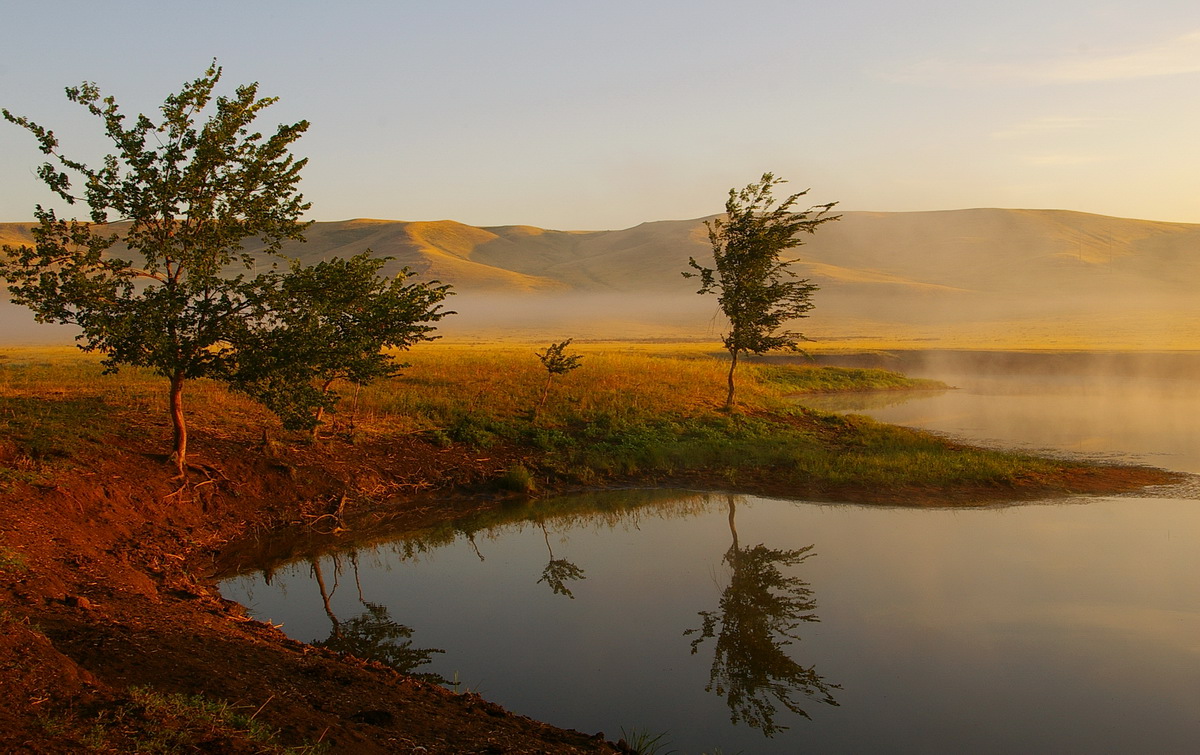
(336, 320)
(157, 276)
(757, 289)
(152, 278)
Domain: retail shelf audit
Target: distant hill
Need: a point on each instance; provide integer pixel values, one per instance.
(15, 234)
(921, 275)
(982, 251)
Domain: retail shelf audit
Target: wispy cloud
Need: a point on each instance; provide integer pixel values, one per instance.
(1063, 159)
(1170, 57)
(1051, 125)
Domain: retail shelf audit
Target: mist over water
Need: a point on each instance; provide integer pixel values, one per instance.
(1128, 407)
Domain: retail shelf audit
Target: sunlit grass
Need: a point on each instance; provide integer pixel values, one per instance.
(629, 410)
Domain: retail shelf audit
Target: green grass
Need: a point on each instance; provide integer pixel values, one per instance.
(625, 412)
(806, 379)
(167, 723)
(518, 479)
(643, 742)
(12, 560)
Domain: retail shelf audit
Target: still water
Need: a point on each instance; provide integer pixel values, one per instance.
(746, 624)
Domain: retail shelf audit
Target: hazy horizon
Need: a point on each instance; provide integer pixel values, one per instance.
(995, 279)
(593, 118)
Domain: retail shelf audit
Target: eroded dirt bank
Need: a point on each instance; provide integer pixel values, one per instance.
(105, 594)
(106, 589)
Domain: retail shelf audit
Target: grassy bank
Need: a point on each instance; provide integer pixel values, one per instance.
(112, 633)
(646, 412)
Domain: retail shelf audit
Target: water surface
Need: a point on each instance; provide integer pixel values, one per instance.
(758, 625)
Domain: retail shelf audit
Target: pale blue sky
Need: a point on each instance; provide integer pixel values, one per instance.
(604, 114)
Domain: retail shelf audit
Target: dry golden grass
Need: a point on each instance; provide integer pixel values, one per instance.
(504, 380)
(645, 410)
(445, 381)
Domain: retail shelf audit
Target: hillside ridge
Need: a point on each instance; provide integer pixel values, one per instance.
(982, 277)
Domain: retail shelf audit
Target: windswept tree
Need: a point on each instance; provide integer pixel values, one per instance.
(336, 320)
(157, 276)
(757, 290)
(557, 361)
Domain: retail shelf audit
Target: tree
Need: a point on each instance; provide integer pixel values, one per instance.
(180, 197)
(557, 361)
(331, 321)
(758, 292)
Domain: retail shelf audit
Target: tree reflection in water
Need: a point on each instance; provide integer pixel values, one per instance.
(559, 571)
(758, 617)
(372, 635)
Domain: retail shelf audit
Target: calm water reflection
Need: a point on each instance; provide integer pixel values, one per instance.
(372, 634)
(760, 626)
(760, 612)
(1043, 628)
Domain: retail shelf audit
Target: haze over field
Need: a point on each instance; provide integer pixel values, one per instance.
(975, 278)
(599, 116)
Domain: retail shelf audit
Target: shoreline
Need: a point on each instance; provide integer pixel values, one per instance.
(117, 594)
(112, 632)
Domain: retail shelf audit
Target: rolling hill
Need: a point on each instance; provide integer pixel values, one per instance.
(987, 275)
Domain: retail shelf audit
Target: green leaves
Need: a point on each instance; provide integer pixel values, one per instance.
(327, 322)
(159, 277)
(754, 284)
(757, 289)
(556, 360)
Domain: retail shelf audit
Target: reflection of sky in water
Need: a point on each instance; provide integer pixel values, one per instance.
(1040, 628)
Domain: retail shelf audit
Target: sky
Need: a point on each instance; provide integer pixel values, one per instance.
(590, 115)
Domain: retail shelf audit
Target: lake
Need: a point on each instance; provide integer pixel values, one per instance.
(745, 624)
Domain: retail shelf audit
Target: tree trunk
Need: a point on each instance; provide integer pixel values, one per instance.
(325, 596)
(733, 521)
(178, 423)
(542, 401)
(317, 427)
(321, 410)
(732, 367)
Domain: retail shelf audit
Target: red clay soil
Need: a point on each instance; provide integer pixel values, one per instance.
(110, 592)
(105, 589)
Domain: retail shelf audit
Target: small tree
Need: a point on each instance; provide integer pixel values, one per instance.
(557, 362)
(757, 291)
(332, 321)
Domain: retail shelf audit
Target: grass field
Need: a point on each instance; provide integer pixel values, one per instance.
(646, 410)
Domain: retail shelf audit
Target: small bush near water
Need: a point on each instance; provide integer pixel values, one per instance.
(159, 722)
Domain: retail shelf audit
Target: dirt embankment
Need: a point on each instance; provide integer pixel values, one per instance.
(103, 590)
(105, 595)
